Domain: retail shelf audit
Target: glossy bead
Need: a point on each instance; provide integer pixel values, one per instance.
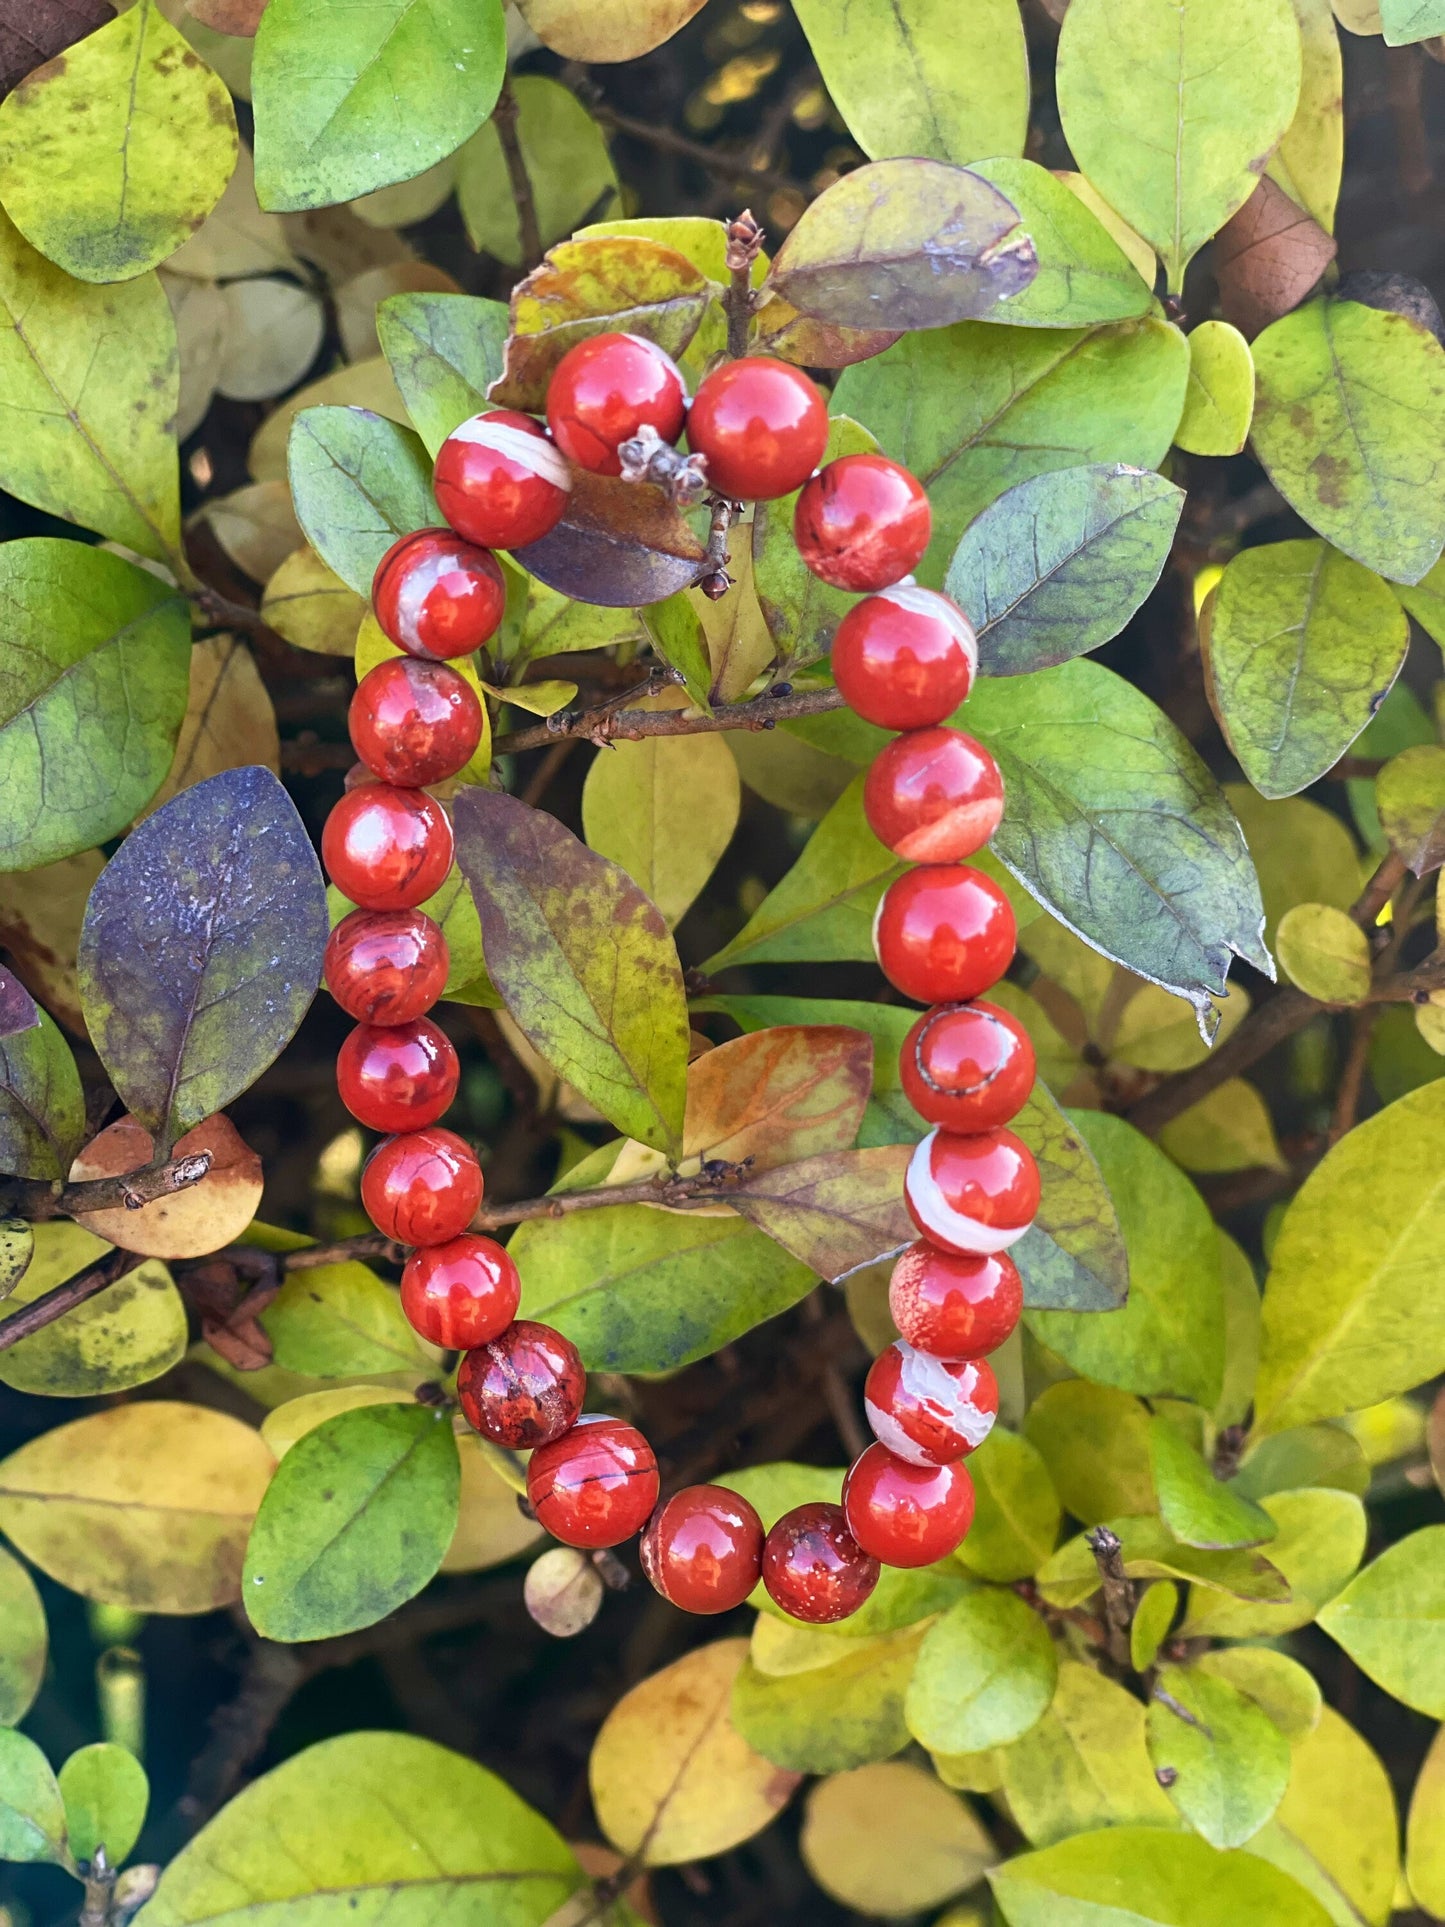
(422, 1188)
(814, 1568)
(972, 1193)
(762, 427)
(435, 595)
(387, 848)
(907, 1515)
(597, 1485)
(862, 522)
(905, 659)
(414, 722)
(386, 966)
(944, 933)
(460, 1294)
(967, 1067)
(500, 480)
(523, 1388)
(954, 1304)
(607, 388)
(397, 1077)
(929, 1410)
(933, 796)
(703, 1549)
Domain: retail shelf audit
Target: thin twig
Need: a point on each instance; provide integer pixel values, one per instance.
(1352, 1073)
(744, 244)
(842, 1407)
(631, 725)
(504, 116)
(1118, 1591)
(716, 160)
(54, 1304)
(39, 1198)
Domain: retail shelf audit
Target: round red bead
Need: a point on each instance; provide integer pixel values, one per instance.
(929, 1410)
(437, 596)
(862, 523)
(423, 1188)
(762, 426)
(386, 966)
(905, 658)
(944, 933)
(967, 1067)
(414, 722)
(596, 1486)
(607, 388)
(907, 1515)
(703, 1549)
(500, 481)
(397, 1077)
(460, 1294)
(523, 1388)
(387, 848)
(972, 1193)
(933, 796)
(814, 1568)
(955, 1304)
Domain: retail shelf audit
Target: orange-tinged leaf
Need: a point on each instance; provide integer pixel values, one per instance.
(189, 1223)
(775, 1096)
(606, 30)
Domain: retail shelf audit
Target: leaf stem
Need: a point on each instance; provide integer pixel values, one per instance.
(55, 1304)
(38, 1198)
(744, 244)
(504, 114)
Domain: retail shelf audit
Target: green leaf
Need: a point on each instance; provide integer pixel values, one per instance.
(126, 1335)
(1198, 1508)
(1095, 1442)
(636, 796)
(1410, 795)
(1325, 953)
(800, 609)
(113, 156)
(1016, 1510)
(1425, 1835)
(1287, 1692)
(1083, 276)
(1350, 1314)
(1350, 425)
(912, 77)
(32, 1814)
(444, 350)
(358, 482)
(905, 243)
(106, 1794)
(356, 1521)
(1241, 1333)
(835, 1717)
(347, 102)
(92, 692)
(1115, 824)
(1390, 1619)
(1301, 851)
(1084, 1764)
(1335, 1830)
(985, 1674)
(186, 1015)
(1302, 648)
(1319, 1543)
(371, 1823)
(1229, 1130)
(42, 1105)
(1153, 1616)
(24, 1641)
(1172, 110)
(339, 1321)
(1073, 1256)
(1219, 401)
(88, 386)
(1229, 1760)
(565, 153)
(1309, 160)
(1169, 1338)
(1057, 566)
(1008, 404)
(1304, 1455)
(1150, 1551)
(1147, 1877)
(584, 963)
(675, 632)
(1406, 21)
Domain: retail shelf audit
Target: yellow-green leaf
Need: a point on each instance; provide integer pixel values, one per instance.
(1319, 1542)
(1410, 796)
(106, 1793)
(1425, 1833)
(1016, 1509)
(1219, 401)
(1287, 1692)
(24, 1641)
(32, 1813)
(1335, 1830)
(842, 1710)
(1229, 1130)
(1228, 1761)
(126, 1335)
(1085, 1764)
(1095, 1442)
(639, 796)
(985, 1674)
(1308, 162)
(1198, 1508)
(1390, 1619)
(565, 154)
(888, 1839)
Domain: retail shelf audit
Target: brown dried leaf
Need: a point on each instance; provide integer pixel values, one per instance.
(256, 526)
(40, 915)
(620, 544)
(240, 18)
(34, 31)
(1267, 258)
(229, 721)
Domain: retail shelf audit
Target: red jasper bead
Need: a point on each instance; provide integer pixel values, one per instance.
(437, 596)
(814, 1568)
(387, 848)
(607, 388)
(905, 658)
(597, 1485)
(972, 1193)
(929, 1410)
(862, 523)
(460, 1294)
(944, 933)
(523, 1388)
(907, 1515)
(954, 1304)
(703, 1549)
(762, 426)
(423, 1188)
(386, 966)
(967, 1067)
(397, 1077)
(500, 481)
(414, 722)
(933, 796)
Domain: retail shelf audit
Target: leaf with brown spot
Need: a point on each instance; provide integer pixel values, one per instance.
(606, 30)
(619, 544)
(34, 31)
(780, 329)
(795, 1091)
(240, 18)
(190, 1223)
(835, 1213)
(1267, 258)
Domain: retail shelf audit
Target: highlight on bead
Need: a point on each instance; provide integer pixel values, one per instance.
(501, 481)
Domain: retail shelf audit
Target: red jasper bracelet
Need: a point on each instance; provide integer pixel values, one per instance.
(904, 658)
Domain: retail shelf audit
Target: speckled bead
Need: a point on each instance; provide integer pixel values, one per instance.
(955, 1304)
(814, 1568)
(524, 1388)
(386, 966)
(414, 722)
(862, 523)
